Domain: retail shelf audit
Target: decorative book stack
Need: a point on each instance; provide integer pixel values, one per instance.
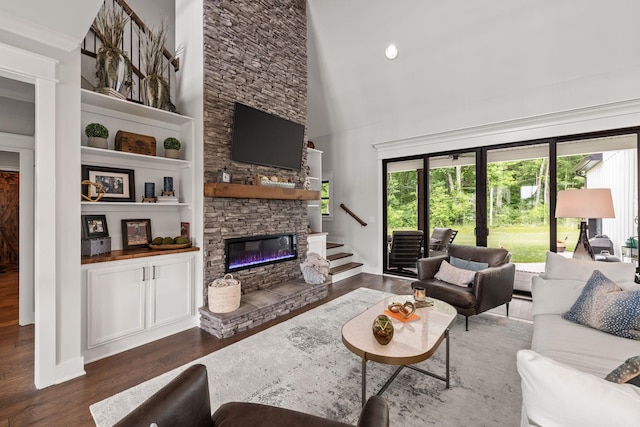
(167, 199)
(168, 195)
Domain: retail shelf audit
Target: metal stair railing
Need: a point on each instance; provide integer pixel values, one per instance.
(131, 46)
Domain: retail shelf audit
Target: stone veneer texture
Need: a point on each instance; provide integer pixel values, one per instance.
(254, 53)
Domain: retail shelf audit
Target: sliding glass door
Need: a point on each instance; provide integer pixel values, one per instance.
(404, 213)
(518, 200)
(452, 200)
(602, 162)
(505, 196)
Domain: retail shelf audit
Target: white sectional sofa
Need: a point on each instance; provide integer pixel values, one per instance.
(563, 374)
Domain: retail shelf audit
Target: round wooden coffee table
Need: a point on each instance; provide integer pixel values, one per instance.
(413, 341)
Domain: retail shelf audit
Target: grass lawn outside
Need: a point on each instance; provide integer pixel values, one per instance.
(526, 243)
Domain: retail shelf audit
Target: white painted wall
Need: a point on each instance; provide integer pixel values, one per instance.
(190, 87)
(27, 55)
(481, 74)
(9, 161)
(154, 12)
(16, 117)
(67, 214)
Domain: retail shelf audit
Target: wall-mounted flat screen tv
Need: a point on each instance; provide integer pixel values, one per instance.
(264, 139)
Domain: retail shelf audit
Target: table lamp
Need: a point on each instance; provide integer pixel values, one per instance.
(584, 203)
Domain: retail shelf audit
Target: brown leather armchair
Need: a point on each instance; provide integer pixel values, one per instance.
(490, 288)
(185, 402)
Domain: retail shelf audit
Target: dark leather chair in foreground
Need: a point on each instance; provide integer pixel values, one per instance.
(185, 402)
(491, 287)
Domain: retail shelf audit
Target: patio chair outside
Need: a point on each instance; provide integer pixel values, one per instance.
(440, 240)
(406, 249)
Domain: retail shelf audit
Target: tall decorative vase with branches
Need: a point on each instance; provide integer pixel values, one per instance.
(113, 67)
(155, 88)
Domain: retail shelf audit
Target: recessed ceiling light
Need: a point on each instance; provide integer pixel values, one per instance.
(391, 52)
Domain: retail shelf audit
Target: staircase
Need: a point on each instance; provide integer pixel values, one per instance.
(341, 263)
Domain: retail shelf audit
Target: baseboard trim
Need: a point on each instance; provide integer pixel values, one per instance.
(70, 369)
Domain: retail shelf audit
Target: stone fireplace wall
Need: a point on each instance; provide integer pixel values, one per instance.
(254, 53)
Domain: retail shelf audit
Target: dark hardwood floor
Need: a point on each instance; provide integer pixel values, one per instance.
(67, 404)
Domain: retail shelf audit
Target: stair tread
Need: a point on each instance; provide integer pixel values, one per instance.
(345, 267)
(331, 245)
(338, 256)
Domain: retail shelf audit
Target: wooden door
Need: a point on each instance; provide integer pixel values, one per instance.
(9, 217)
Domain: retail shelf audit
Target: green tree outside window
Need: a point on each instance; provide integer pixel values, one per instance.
(325, 200)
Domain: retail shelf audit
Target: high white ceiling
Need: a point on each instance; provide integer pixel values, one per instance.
(60, 24)
(352, 84)
(461, 63)
(456, 59)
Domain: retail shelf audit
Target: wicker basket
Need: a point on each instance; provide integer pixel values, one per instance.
(224, 294)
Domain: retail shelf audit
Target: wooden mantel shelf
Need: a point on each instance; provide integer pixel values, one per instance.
(241, 191)
(119, 254)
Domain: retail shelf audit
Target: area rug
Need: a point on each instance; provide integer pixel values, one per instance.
(302, 364)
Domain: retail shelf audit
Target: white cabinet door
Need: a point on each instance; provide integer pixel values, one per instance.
(318, 244)
(115, 303)
(171, 290)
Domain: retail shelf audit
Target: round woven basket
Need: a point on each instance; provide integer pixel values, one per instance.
(224, 294)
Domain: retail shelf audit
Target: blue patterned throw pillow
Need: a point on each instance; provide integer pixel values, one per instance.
(628, 372)
(467, 264)
(603, 305)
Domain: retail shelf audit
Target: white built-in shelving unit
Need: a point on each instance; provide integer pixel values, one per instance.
(314, 160)
(130, 299)
(317, 239)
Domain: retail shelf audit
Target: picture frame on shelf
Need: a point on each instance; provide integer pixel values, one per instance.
(136, 233)
(224, 176)
(118, 184)
(185, 229)
(94, 226)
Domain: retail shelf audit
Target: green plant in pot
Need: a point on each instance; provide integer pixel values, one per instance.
(97, 134)
(113, 67)
(172, 148)
(155, 88)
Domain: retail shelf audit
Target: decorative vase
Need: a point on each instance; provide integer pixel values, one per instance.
(171, 153)
(153, 91)
(97, 142)
(114, 70)
(382, 329)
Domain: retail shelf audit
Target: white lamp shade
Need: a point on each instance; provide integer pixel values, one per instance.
(585, 203)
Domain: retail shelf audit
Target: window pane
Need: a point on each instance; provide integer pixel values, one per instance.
(518, 202)
(402, 201)
(608, 162)
(325, 198)
(452, 199)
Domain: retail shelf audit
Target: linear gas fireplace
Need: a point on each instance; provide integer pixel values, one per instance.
(247, 252)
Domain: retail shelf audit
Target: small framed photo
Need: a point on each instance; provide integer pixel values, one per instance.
(224, 176)
(94, 226)
(136, 233)
(118, 184)
(185, 230)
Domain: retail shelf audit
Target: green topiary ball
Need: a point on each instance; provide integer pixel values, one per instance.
(96, 130)
(171, 144)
